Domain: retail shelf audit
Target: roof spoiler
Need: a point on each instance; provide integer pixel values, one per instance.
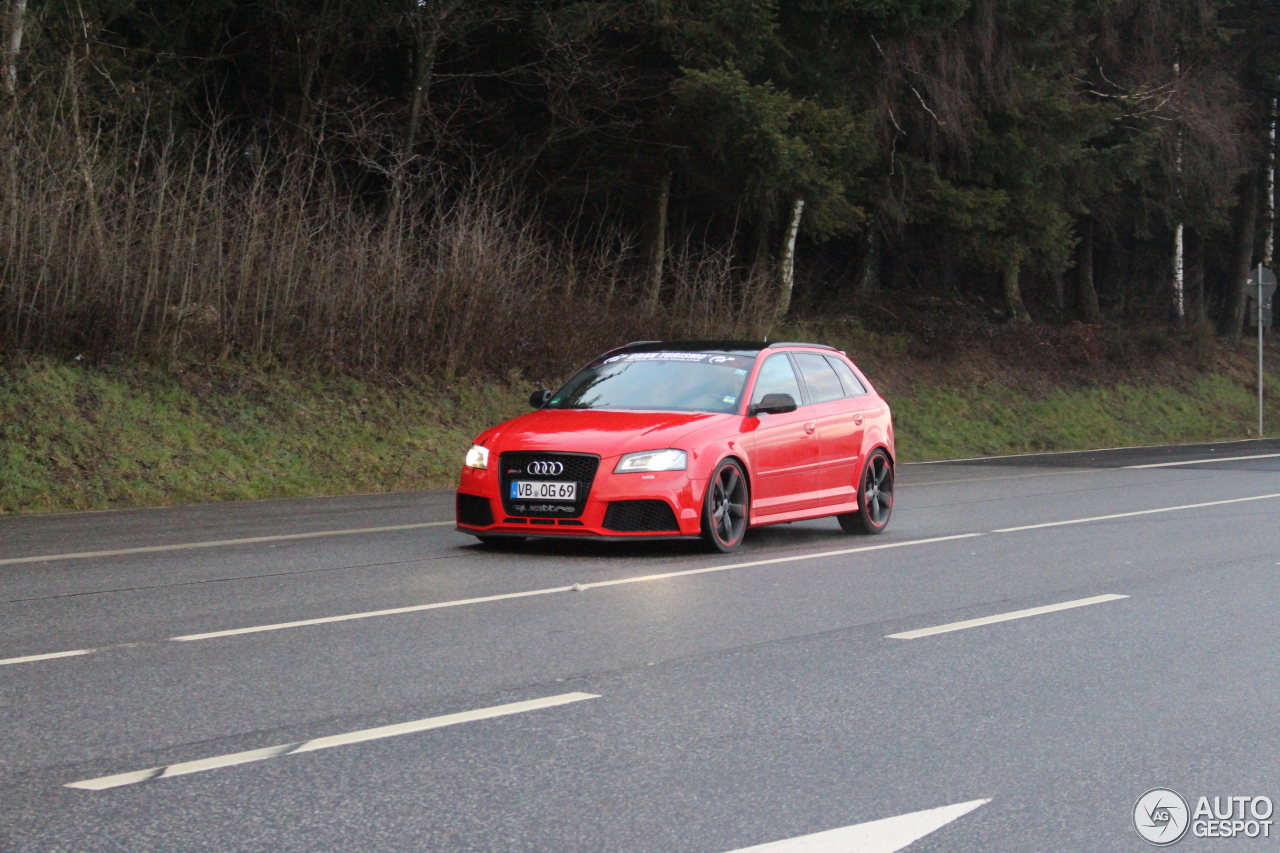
(801, 344)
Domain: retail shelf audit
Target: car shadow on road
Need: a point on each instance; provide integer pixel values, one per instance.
(758, 542)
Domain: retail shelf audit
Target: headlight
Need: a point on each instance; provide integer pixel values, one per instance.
(477, 457)
(652, 460)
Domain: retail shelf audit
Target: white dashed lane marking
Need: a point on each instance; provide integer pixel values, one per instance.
(579, 587)
(103, 782)
(49, 656)
(1004, 617)
(878, 836)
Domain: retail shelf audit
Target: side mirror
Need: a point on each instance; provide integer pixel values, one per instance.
(538, 399)
(774, 404)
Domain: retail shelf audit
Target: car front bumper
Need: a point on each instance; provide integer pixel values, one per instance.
(680, 493)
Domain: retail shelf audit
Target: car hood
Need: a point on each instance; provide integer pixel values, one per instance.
(598, 431)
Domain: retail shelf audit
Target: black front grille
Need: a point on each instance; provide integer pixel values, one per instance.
(474, 511)
(640, 517)
(578, 467)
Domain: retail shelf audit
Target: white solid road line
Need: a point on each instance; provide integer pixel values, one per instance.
(49, 656)
(1068, 452)
(219, 543)
(1204, 461)
(1136, 512)
(104, 782)
(577, 587)
(877, 836)
(1003, 617)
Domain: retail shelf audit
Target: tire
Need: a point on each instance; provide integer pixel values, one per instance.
(875, 497)
(724, 508)
(501, 543)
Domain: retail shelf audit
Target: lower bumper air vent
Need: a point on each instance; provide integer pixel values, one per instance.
(640, 517)
(474, 511)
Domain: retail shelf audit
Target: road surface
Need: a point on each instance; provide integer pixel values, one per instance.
(1034, 643)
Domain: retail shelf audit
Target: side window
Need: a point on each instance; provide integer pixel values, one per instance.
(852, 387)
(819, 377)
(777, 377)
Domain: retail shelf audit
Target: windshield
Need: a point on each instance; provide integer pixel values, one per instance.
(659, 381)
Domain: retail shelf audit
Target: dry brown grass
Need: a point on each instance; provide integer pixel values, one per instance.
(142, 246)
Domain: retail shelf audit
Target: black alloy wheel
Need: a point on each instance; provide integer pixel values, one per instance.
(724, 509)
(875, 497)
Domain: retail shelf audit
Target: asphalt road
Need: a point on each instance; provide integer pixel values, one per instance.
(688, 710)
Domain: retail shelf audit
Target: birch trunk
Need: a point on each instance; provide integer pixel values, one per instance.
(1179, 297)
(1013, 292)
(787, 267)
(13, 45)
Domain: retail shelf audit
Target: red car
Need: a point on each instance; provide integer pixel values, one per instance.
(687, 440)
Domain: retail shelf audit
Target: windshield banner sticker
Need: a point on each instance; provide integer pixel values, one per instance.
(672, 356)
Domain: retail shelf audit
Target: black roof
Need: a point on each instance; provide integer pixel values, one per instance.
(736, 347)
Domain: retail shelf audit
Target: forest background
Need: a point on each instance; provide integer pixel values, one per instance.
(401, 192)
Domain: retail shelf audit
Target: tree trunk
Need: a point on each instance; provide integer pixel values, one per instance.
(1268, 249)
(82, 153)
(1231, 323)
(869, 275)
(657, 239)
(13, 45)
(1013, 292)
(1195, 277)
(428, 22)
(1179, 279)
(787, 266)
(1059, 292)
(761, 267)
(1086, 293)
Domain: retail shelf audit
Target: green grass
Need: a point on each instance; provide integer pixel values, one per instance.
(73, 437)
(942, 423)
(89, 437)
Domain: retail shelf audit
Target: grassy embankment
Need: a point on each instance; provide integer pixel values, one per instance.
(82, 437)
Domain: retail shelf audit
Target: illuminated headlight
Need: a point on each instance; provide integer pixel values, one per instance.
(478, 457)
(652, 460)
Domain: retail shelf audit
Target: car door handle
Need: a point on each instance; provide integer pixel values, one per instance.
(809, 428)
(857, 419)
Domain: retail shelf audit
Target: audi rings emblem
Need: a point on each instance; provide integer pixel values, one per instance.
(551, 469)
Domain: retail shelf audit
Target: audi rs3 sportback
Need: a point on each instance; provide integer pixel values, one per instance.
(695, 440)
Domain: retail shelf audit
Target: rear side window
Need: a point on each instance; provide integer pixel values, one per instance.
(819, 377)
(852, 387)
(777, 377)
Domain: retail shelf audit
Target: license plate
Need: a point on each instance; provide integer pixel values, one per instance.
(525, 490)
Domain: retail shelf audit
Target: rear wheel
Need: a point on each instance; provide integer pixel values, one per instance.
(875, 497)
(724, 509)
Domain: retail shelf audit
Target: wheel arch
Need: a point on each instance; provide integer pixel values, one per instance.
(746, 473)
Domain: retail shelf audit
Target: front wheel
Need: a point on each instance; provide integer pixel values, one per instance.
(724, 509)
(875, 497)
